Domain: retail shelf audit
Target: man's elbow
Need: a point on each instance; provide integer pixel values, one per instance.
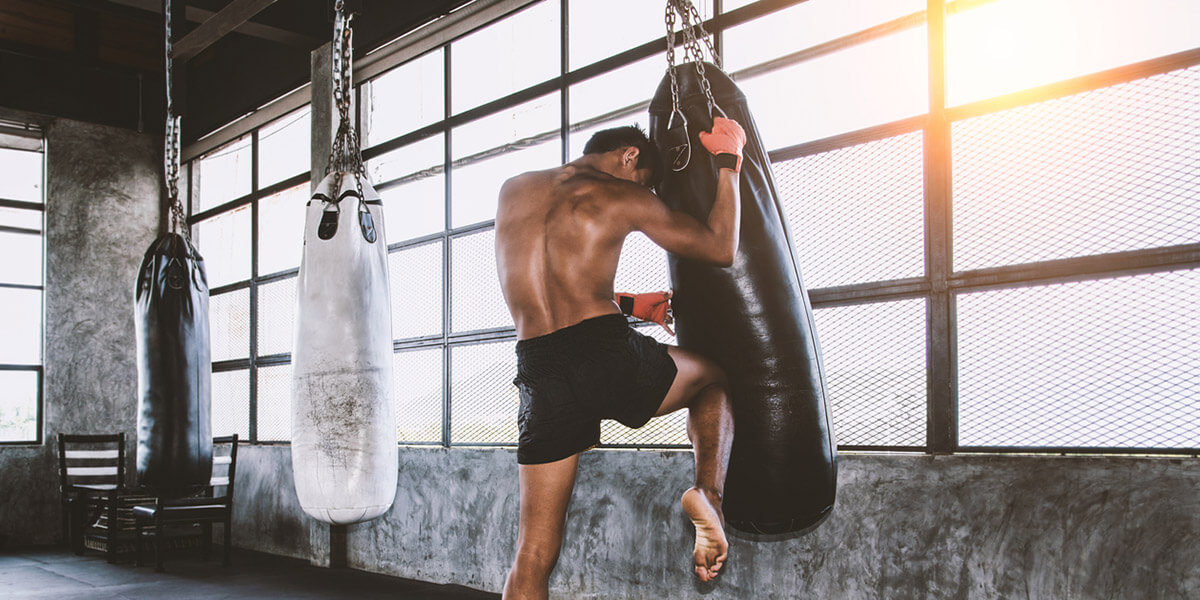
(726, 257)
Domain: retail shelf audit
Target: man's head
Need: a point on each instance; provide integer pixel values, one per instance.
(637, 153)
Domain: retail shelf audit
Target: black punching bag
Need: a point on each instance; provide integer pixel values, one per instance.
(174, 454)
(754, 319)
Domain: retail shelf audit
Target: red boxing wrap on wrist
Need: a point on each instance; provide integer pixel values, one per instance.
(654, 307)
(727, 137)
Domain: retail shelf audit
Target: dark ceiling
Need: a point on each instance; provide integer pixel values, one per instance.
(102, 60)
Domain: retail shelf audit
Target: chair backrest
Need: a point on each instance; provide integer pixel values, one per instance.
(91, 460)
(224, 467)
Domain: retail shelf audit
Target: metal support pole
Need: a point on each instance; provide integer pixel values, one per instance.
(941, 351)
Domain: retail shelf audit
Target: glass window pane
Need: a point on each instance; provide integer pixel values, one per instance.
(874, 358)
(224, 242)
(1110, 170)
(874, 83)
(506, 56)
(274, 402)
(21, 326)
(20, 217)
(796, 28)
(412, 182)
(404, 99)
(22, 262)
(643, 266)
(1112, 363)
(283, 148)
(281, 229)
(417, 393)
(276, 316)
(222, 175)
(489, 151)
(231, 403)
(476, 301)
(629, 87)
(18, 406)
(229, 324)
(483, 399)
(826, 195)
(602, 28)
(20, 175)
(1010, 45)
(415, 277)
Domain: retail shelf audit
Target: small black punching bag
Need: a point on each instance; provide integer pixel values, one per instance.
(174, 454)
(754, 319)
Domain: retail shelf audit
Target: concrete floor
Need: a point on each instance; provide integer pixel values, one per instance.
(55, 572)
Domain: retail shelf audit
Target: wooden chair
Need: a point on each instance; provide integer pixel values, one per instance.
(197, 511)
(91, 475)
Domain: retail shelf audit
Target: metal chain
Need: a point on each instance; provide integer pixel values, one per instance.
(345, 155)
(691, 21)
(178, 221)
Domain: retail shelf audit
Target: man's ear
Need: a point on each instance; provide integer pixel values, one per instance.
(630, 155)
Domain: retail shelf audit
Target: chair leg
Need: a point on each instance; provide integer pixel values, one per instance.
(138, 542)
(158, 542)
(228, 541)
(206, 531)
(110, 535)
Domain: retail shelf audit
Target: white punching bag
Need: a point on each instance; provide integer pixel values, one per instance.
(344, 454)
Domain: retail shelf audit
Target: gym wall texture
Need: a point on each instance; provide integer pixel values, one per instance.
(102, 211)
(905, 526)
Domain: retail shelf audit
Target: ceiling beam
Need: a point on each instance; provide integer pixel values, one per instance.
(216, 27)
(250, 28)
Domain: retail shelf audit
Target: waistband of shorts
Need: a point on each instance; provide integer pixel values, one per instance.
(587, 328)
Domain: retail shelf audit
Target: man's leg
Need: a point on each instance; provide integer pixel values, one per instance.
(701, 386)
(545, 494)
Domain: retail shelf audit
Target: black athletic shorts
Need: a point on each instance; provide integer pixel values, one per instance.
(572, 378)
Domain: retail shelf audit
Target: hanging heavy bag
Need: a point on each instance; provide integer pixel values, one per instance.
(344, 454)
(754, 318)
(174, 453)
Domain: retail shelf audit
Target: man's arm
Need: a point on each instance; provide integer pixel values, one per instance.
(716, 240)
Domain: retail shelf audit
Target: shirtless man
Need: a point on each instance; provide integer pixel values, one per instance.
(559, 234)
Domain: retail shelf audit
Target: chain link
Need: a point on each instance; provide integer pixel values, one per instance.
(691, 21)
(178, 221)
(345, 154)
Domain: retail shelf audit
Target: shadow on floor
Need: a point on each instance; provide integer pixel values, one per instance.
(54, 572)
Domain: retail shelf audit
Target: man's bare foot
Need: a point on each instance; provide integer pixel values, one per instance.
(711, 546)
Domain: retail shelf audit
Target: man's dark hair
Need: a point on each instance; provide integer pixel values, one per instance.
(616, 138)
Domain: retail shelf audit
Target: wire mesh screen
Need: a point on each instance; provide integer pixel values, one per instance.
(229, 324)
(1109, 170)
(668, 430)
(415, 282)
(417, 394)
(483, 399)
(476, 301)
(231, 403)
(1111, 363)
(874, 358)
(276, 316)
(643, 266)
(275, 403)
(856, 213)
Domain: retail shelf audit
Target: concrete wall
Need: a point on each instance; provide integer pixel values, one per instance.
(905, 526)
(102, 212)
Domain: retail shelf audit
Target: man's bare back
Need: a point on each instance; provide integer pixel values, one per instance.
(559, 234)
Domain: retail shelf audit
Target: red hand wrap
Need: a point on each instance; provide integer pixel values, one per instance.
(654, 307)
(727, 137)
